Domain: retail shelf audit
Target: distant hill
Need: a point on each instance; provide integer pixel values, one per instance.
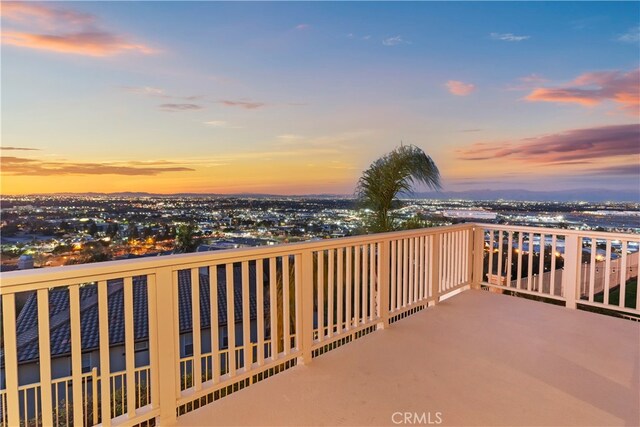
(582, 194)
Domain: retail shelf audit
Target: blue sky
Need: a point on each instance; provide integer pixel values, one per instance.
(301, 97)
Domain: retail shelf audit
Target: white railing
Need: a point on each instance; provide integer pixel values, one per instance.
(273, 307)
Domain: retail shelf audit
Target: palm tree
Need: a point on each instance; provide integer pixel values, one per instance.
(185, 239)
(390, 175)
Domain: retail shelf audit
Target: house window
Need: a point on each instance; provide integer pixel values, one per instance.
(225, 339)
(187, 345)
(86, 362)
(142, 345)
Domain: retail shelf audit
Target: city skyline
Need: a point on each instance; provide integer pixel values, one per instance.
(298, 98)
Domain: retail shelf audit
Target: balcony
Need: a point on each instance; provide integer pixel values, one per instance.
(364, 330)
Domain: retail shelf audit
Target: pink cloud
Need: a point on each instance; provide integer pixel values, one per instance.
(44, 27)
(90, 43)
(459, 88)
(574, 146)
(591, 89)
(301, 27)
(243, 104)
(27, 12)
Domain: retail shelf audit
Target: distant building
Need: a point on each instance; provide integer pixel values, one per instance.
(25, 262)
(469, 214)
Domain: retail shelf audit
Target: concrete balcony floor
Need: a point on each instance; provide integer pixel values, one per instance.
(477, 358)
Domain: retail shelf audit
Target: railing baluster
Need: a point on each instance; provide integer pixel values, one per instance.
(552, 285)
(298, 299)
(541, 266)
(623, 274)
(273, 301)
(393, 278)
(421, 268)
(349, 289)
(231, 320)
(500, 243)
(11, 358)
(286, 301)
(399, 273)
(45, 353)
(373, 311)
(405, 272)
(592, 269)
(364, 284)
(383, 283)
(129, 349)
(607, 271)
(411, 269)
(306, 308)
(330, 284)
(519, 269)
(196, 331)
(356, 286)
(247, 348)
(508, 274)
(340, 290)
(320, 293)
(76, 353)
(530, 264)
(260, 311)
(434, 262)
(105, 372)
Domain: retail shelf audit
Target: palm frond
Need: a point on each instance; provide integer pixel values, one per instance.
(392, 174)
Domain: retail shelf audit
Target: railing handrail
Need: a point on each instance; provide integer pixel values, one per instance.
(78, 273)
(560, 231)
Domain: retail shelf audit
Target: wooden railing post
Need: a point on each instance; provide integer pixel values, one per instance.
(572, 258)
(11, 359)
(477, 261)
(383, 283)
(435, 267)
(306, 306)
(166, 331)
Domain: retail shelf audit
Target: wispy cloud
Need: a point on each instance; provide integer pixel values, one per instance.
(470, 130)
(394, 41)
(631, 36)
(216, 123)
(19, 149)
(180, 107)
(62, 30)
(632, 169)
(459, 88)
(301, 27)
(508, 37)
(34, 167)
(571, 147)
(247, 105)
(591, 89)
(145, 90)
(527, 82)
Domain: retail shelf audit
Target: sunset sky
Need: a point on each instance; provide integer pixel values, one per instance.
(299, 98)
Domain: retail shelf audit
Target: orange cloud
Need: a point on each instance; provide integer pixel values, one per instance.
(62, 31)
(91, 44)
(22, 11)
(32, 167)
(591, 89)
(459, 88)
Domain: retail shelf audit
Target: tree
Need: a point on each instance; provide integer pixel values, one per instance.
(185, 241)
(390, 175)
